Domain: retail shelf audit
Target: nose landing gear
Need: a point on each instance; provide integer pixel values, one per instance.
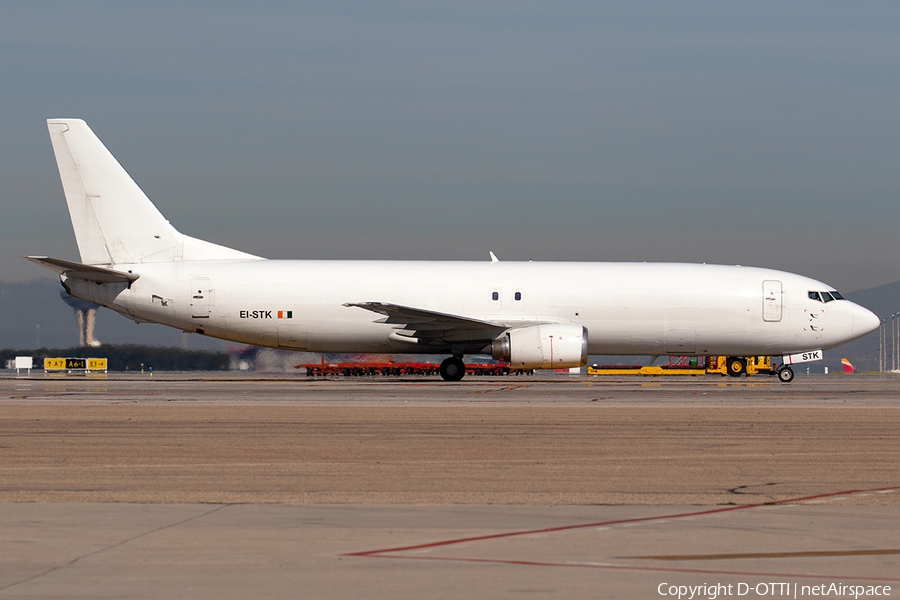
(785, 374)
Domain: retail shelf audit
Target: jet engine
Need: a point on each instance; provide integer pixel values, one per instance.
(555, 346)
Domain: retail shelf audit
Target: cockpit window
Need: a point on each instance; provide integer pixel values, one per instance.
(824, 296)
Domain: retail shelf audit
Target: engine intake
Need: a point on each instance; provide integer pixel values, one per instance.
(559, 346)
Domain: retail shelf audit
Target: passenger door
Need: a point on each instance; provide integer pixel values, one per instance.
(772, 301)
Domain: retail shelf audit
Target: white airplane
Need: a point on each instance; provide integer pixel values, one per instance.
(534, 315)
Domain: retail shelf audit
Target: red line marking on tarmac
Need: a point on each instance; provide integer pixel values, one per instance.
(495, 536)
(529, 563)
(391, 552)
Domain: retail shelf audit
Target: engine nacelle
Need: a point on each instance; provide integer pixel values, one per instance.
(558, 346)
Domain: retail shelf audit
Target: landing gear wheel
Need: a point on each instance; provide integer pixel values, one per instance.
(453, 369)
(736, 366)
(785, 374)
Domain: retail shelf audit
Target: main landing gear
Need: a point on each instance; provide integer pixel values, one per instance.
(453, 369)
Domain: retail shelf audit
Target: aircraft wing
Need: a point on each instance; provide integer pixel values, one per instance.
(419, 326)
(76, 270)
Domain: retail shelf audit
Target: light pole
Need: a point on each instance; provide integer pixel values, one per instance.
(894, 341)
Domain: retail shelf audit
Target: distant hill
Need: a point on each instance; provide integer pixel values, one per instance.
(24, 305)
(883, 300)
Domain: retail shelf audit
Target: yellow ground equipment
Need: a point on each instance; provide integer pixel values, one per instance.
(693, 365)
(737, 366)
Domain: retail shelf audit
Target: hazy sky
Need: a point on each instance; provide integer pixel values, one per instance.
(763, 133)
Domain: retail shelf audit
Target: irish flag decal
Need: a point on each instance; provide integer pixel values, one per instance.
(285, 314)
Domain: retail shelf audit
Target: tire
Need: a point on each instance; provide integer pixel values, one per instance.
(453, 369)
(736, 366)
(785, 374)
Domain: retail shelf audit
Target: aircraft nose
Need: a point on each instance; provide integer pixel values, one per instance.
(864, 321)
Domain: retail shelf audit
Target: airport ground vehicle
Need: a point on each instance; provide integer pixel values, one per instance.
(701, 365)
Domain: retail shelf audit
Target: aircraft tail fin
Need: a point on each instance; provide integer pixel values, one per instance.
(114, 221)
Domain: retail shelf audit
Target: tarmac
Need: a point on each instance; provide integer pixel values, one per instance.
(236, 486)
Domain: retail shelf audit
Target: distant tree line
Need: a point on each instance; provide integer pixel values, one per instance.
(130, 357)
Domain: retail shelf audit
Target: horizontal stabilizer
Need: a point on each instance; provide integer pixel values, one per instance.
(75, 270)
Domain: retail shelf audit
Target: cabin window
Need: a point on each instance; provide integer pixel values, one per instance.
(518, 296)
(814, 296)
(496, 299)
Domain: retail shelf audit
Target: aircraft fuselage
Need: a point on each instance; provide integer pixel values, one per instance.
(627, 308)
